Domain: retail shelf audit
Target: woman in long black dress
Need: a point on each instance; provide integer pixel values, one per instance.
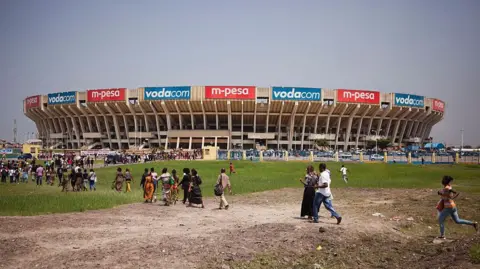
(308, 193)
(195, 191)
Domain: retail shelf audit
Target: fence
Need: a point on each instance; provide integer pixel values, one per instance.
(321, 156)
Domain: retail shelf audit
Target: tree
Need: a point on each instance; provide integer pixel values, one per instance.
(322, 143)
(467, 147)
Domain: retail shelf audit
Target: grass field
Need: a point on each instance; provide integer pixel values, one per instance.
(28, 199)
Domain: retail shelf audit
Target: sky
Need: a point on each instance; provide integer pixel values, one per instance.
(428, 47)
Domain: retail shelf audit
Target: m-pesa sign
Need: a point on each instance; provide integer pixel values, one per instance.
(32, 101)
(438, 105)
(230, 92)
(357, 96)
(105, 95)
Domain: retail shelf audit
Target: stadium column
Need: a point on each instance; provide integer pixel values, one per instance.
(53, 113)
(178, 142)
(190, 143)
(411, 123)
(74, 126)
(41, 122)
(241, 127)
(359, 126)
(339, 124)
(329, 117)
(205, 116)
(155, 114)
(418, 122)
(62, 129)
(391, 120)
(304, 123)
(80, 123)
(292, 126)
(85, 114)
(255, 118)
(229, 109)
(134, 114)
(397, 124)
(216, 115)
(192, 118)
(428, 126)
(169, 121)
(97, 122)
(180, 118)
(316, 118)
(107, 126)
(349, 127)
(125, 124)
(384, 114)
(203, 141)
(268, 117)
(147, 126)
(115, 125)
(279, 126)
(370, 123)
(51, 119)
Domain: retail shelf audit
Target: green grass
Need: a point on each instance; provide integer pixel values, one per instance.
(27, 199)
(475, 253)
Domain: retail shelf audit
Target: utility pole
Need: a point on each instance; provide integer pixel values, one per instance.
(15, 131)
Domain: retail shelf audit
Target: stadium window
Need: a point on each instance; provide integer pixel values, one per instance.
(133, 101)
(83, 103)
(328, 102)
(385, 105)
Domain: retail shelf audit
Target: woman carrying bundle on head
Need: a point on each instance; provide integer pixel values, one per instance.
(118, 182)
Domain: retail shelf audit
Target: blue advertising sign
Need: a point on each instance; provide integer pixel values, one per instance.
(296, 94)
(402, 99)
(62, 98)
(167, 93)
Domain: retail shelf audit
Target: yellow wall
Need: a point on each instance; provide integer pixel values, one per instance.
(210, 153)
(33, 149)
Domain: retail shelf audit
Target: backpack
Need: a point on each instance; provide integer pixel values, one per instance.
(218, 190)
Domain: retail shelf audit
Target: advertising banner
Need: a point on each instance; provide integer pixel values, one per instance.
(438, 105)
(62, 98)
(167, 93)
(32, 101)
(104, 95)
(410, 100)
(296, 94)
(230, 92)
(6, 151)
(358, 96)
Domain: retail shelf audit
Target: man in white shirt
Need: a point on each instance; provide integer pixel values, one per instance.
(323, 195)
(343, 170)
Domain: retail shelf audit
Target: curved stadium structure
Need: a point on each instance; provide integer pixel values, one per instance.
(230, 117)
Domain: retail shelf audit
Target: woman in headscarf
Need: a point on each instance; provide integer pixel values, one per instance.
(148, 189)
(195, 191)
(119, 178)
(309, 182)
(166, 185)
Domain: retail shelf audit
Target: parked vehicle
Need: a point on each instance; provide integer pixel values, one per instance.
(376, 157)
(26, 156)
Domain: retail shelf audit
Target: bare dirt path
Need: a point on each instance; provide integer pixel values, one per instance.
(154, 236)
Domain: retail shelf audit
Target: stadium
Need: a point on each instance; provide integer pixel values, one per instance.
(230, 117)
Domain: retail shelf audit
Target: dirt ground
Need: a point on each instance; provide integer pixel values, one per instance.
(261, 230)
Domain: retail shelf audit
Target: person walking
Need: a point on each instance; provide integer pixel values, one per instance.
(128, 180)
(343, 170)
(311, 178)
(185, 183)
(447, 207)
(224, 182)
(195, 191)
(39, 175)
(323, 195)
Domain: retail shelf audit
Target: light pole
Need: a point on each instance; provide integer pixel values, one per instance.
(376, 139)
(461, 146)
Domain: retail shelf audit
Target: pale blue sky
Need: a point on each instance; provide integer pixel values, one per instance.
(423, 47)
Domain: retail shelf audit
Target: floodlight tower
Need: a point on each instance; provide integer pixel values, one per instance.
(15, 131)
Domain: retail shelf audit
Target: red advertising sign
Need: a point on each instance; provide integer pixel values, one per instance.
(230, 92)
(105, 95)
(358, 96)
(438, 105)
(32, 101)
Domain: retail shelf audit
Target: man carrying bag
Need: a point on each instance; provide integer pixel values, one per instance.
(223, 182)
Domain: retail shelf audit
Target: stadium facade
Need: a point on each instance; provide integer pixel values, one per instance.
(230, 117)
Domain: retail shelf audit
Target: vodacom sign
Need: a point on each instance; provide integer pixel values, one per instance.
(230, 92)
(438, 105)
(105, 95)
(358, 96)
(32, 101)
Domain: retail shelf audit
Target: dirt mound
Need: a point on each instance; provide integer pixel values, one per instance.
(261, 230)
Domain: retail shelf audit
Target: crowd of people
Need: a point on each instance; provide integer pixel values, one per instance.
(167, 185)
